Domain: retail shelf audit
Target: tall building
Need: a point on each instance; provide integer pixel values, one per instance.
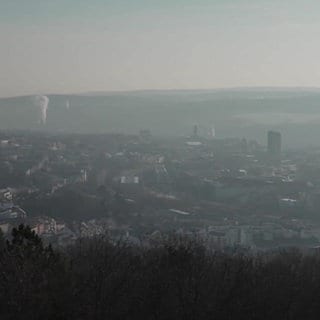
(195, 130)
(274, 143)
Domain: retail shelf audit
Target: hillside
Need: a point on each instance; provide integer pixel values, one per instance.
(238, 112)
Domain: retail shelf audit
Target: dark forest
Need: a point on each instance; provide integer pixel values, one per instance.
(176, 279)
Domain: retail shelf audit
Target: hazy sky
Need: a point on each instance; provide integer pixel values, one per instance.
(62, 46)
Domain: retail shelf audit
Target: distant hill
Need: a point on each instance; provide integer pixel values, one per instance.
(243, 112)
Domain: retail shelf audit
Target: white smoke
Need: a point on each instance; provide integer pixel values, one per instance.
(68, 105)
(213, 132)
(42, 102)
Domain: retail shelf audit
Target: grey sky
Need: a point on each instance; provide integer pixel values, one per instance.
(75, 46)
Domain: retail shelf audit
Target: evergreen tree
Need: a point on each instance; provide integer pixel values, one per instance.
(2, 241)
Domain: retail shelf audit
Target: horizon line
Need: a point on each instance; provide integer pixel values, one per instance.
(120, 91)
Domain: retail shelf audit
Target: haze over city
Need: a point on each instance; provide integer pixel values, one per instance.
(82, 46)
(159, 159)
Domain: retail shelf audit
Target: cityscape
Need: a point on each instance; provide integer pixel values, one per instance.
(159, 160)
(229, 192)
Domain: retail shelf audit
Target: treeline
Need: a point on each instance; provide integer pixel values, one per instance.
(179, 279)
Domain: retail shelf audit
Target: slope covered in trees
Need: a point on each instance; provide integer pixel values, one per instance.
(179, 279)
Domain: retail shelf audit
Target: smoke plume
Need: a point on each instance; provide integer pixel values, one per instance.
(42, 102)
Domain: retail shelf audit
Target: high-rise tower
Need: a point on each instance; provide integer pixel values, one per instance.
(274, 144)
